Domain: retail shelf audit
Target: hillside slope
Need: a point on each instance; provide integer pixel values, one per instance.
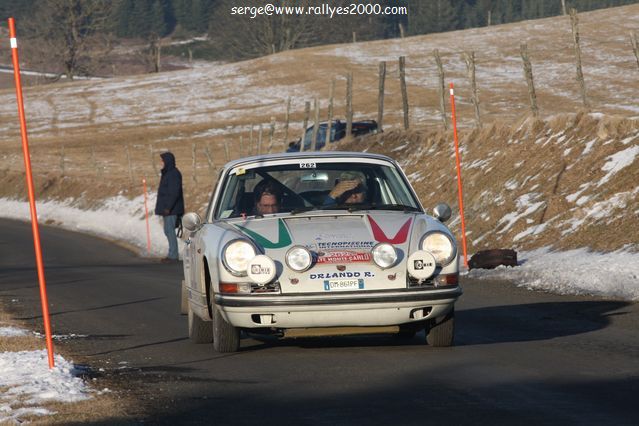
(92, 140)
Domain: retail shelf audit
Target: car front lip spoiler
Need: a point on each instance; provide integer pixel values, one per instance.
(350, 298)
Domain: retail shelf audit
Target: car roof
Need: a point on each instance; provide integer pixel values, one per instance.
(359, 157)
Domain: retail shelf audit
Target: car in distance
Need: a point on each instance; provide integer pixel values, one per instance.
(338, 131)
(320, 262)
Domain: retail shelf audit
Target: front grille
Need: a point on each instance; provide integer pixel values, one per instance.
(273, 287)
(415, 283)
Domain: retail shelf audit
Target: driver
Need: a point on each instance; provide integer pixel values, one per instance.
(350, 189)
(267, 198)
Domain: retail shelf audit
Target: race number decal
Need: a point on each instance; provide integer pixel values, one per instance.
(308, 166)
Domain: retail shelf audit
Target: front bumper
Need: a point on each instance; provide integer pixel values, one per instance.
(373, 308)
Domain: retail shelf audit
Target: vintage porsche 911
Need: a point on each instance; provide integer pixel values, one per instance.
(316, 244)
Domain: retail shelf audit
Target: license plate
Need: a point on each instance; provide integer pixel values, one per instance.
(342, 285)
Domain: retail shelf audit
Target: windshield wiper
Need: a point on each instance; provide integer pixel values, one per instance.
(303, 209)
(395, 207)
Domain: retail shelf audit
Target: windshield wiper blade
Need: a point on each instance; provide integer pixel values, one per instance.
(401, 207)
(303, 209)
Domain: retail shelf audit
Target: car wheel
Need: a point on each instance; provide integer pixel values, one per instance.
(199, 330)
(442, 330)
(184, 305)
(226, 338)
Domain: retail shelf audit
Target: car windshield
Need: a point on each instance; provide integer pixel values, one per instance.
(321, 136)
(306, 185)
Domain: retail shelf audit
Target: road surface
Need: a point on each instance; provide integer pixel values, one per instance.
(521, 357)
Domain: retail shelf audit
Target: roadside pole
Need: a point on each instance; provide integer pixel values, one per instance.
(459, 180)
(146, 215)
(30, 188)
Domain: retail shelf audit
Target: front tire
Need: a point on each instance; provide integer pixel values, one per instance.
(226, 338)
(199, 330)
(184, 304)
(441, 332)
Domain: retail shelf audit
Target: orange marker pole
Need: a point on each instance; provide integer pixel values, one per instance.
(459, 179)
(146, 213)
(34, 215)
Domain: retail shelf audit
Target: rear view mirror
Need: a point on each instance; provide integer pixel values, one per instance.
(315, 177)
(191, 222)
(442, 212)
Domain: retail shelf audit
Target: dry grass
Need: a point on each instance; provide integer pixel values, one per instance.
(94, 122)
(519, 162)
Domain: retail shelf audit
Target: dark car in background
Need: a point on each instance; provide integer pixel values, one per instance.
(338, 131)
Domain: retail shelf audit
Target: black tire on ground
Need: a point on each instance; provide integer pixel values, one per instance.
(226, 338)
(441, 331)
(489, 259)
(199, 330)
(407, 331)
(184, 300)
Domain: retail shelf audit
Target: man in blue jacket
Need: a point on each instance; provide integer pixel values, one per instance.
(170, 203)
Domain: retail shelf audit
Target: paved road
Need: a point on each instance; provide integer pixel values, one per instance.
(521, 357)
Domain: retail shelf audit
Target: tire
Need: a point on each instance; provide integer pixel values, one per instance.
(226, 338)
(441, 332)
(199, 330)
(490, 259)
(184, 302)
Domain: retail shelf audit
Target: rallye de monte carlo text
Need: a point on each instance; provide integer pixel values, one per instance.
(319, 243)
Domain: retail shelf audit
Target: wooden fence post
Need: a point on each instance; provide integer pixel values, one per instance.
(241, 146)
(307, 111)
(489, 18)
(128, 160)
(315, 124)
(401, 30)
(442, 88)
(380, 96)
(94, 163)
(635, 45)
(249, 149)
(329, 123)
(528, 74)
(227, 154)
(574, 21)
(209, 158)
(402, 83)
(469, 58)
(349, 104)
(271, 133)
(354, 37)
(259, 140)
(563, 7)
(62, 168)
(153, 160)
(287, 121)
(193, 163)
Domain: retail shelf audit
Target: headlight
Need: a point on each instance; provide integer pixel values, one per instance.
(298, 258)
(236, 255)
(384, 255)
(441, 246)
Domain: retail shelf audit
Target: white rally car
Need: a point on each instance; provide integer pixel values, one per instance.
(321, 243)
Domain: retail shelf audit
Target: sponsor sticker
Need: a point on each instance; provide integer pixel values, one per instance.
(260, 270)
(336, 245)
(335, 275)
(343, 257)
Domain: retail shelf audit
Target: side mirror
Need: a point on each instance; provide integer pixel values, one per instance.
(191, 222)
(442, 212)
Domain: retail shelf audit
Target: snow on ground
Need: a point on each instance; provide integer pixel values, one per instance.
(118, 218)
(613, 275)
(27, 383)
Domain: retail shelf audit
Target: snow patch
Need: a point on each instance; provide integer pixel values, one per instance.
(577, 271)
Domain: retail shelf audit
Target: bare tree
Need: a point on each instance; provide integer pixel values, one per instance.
(71, 35)
(256, 35)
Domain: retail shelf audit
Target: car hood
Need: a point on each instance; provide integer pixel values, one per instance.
(332, 232)
(342, 245)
